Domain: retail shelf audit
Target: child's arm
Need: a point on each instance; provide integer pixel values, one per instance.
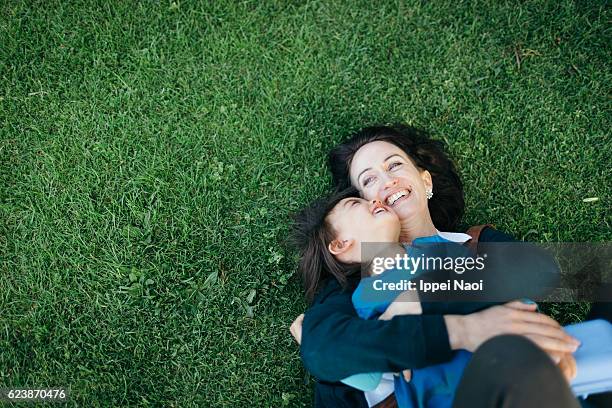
(405, 304)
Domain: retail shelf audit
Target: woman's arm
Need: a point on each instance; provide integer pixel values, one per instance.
(336, 343)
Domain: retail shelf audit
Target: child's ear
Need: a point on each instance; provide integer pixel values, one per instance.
(339, 246)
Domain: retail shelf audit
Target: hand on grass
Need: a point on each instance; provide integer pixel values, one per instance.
(296, 328)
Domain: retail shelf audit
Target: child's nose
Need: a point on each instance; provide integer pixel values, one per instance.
(377, 202)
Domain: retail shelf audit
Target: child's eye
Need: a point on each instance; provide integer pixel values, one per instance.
(355, 202)
(394, 165)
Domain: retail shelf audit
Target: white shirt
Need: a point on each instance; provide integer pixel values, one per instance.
(385, 387)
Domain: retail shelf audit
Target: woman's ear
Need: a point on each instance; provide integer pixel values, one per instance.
(339, 246)
(427, 181)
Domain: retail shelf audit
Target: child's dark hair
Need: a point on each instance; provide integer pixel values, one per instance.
(312, 234)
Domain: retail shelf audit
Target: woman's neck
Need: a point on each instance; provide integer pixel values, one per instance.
(417, 228)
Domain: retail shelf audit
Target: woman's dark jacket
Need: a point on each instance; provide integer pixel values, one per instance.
(336, 343)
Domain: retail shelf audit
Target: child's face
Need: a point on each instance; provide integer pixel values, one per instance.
(356, 220)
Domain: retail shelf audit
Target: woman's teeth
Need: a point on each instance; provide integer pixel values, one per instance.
(396, 196)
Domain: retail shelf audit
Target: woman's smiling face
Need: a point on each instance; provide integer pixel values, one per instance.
(381, 170)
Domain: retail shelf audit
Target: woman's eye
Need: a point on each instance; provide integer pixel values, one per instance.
(394, 165)
(367, 180)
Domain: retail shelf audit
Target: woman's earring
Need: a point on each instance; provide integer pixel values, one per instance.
(429, 194)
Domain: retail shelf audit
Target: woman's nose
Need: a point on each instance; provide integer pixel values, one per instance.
(391, 183)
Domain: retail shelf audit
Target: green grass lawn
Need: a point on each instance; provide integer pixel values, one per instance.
(151, 155)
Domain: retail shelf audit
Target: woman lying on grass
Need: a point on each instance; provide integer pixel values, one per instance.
(402, 167)
(334, 230)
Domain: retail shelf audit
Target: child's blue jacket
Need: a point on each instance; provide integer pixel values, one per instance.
(433, 386)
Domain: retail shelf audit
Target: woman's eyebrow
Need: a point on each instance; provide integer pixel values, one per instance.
(393, 155)
(369, 168)
(364, 170)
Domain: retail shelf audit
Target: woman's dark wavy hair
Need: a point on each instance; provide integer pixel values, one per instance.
(446, 207)
(312, 234)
